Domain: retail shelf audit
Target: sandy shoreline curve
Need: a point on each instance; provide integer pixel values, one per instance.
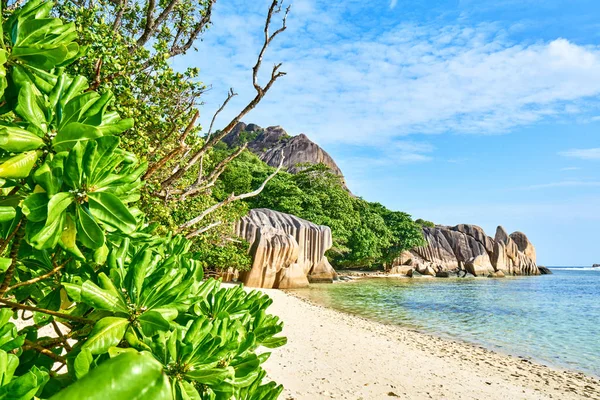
(331, 354)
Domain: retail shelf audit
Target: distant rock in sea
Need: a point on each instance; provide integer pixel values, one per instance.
(287, 251)
(269, 143)
(596, 266)
(468, 248)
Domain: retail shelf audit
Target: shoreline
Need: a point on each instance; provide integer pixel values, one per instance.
(332, 354)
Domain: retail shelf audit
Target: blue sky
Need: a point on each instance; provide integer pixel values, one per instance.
(465, 111)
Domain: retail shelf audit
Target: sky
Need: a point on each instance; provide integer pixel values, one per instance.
(465, 111)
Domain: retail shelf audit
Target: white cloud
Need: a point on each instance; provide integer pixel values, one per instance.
(347, 85)
(564, 184)
(583, 154)
(570, 169)
(393, 4)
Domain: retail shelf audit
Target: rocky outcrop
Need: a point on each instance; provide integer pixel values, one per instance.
(467, 248)
(287, 251)
(269, 143)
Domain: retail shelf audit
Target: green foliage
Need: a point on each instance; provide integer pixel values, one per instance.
(75, 249)
(424, 223)
(364, 234)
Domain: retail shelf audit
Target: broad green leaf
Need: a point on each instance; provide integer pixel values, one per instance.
(98, 156)
(129, 376)
(3, 58)
(110, 210)
(73, 174)
(29, 108)
(71, 134)
(7, 213)
(107, 332)
(82, 363)
(25, 386)
(41, 56)
(5, 263)
(49, 235)
(152, 323)
(68, 237)
(102, 299)
(19, 166)
(17, 140)
(35, 207)
(187, 391)
(116, 128)
(88, 231)
(210, 376)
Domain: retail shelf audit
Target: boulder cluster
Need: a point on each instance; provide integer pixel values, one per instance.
(287, 251)
(467, 249)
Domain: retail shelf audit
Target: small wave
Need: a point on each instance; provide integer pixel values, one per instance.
(575, 269)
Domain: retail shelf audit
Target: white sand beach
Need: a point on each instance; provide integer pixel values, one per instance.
(335, 355)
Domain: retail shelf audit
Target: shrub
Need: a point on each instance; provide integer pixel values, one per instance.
(76, 252)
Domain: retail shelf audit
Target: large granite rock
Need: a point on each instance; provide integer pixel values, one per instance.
(269, 143)
(468, 248)
(287, 251)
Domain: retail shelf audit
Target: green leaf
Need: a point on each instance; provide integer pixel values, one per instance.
(210, 376)
(41, 56)
(102, 299)
(129, 376)
(98, 157)
(29, 108)
(68, 136)
(110, 210)
(5, 263)
(49, 235)
(152, 323)
(17, 140)
(88, 231)
(7, 213)
(19, 166)
(35, 207)
(82, 363)
(107, 332)
(67, 238)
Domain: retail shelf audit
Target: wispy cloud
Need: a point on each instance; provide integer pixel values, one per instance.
(564, 184)
(393, 4)
(582, 154)
(570, 169)
(357, 86)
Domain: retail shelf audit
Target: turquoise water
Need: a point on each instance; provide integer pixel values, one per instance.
(554, 319)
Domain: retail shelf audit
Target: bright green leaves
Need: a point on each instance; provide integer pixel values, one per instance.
(153, 322)
(18, 166)
(39, 41)
(16, 140)
(110, 210)
(107, 332)
(128, 376)
(3, 81)
(48, 236)
(88, 231)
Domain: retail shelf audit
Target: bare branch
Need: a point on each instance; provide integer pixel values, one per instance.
(49, 312)
(28, 344)
(230, 95)
(160, 163)
(149, 23)
(39, 278)
(274, 9)
(233, 197)
(197, 187)
(176, 49)
(275, 74)
(202, 230)
(121, 6)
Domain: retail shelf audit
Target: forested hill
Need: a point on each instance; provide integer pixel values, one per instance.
(272, 142)
(312, 187)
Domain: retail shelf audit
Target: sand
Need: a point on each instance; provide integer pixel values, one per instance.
(335, 355)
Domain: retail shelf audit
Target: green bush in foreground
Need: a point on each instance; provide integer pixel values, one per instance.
(132, 316)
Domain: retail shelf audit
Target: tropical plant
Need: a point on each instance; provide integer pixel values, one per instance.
(130, 313)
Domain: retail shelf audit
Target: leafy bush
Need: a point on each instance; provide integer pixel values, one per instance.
(133, 317)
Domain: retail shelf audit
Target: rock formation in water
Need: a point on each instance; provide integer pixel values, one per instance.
(467, 249)
(269, 143)
(287, 251)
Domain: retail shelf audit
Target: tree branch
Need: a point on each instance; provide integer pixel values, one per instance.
(202, 230)
(42, 350)
(160, 163)
(14, 250)
(49, 312)
(39, 278)
(260, 93)
(228, 200)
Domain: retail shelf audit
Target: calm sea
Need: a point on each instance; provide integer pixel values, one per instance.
(553, 319)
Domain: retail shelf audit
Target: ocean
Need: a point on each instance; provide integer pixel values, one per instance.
(552, 319)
